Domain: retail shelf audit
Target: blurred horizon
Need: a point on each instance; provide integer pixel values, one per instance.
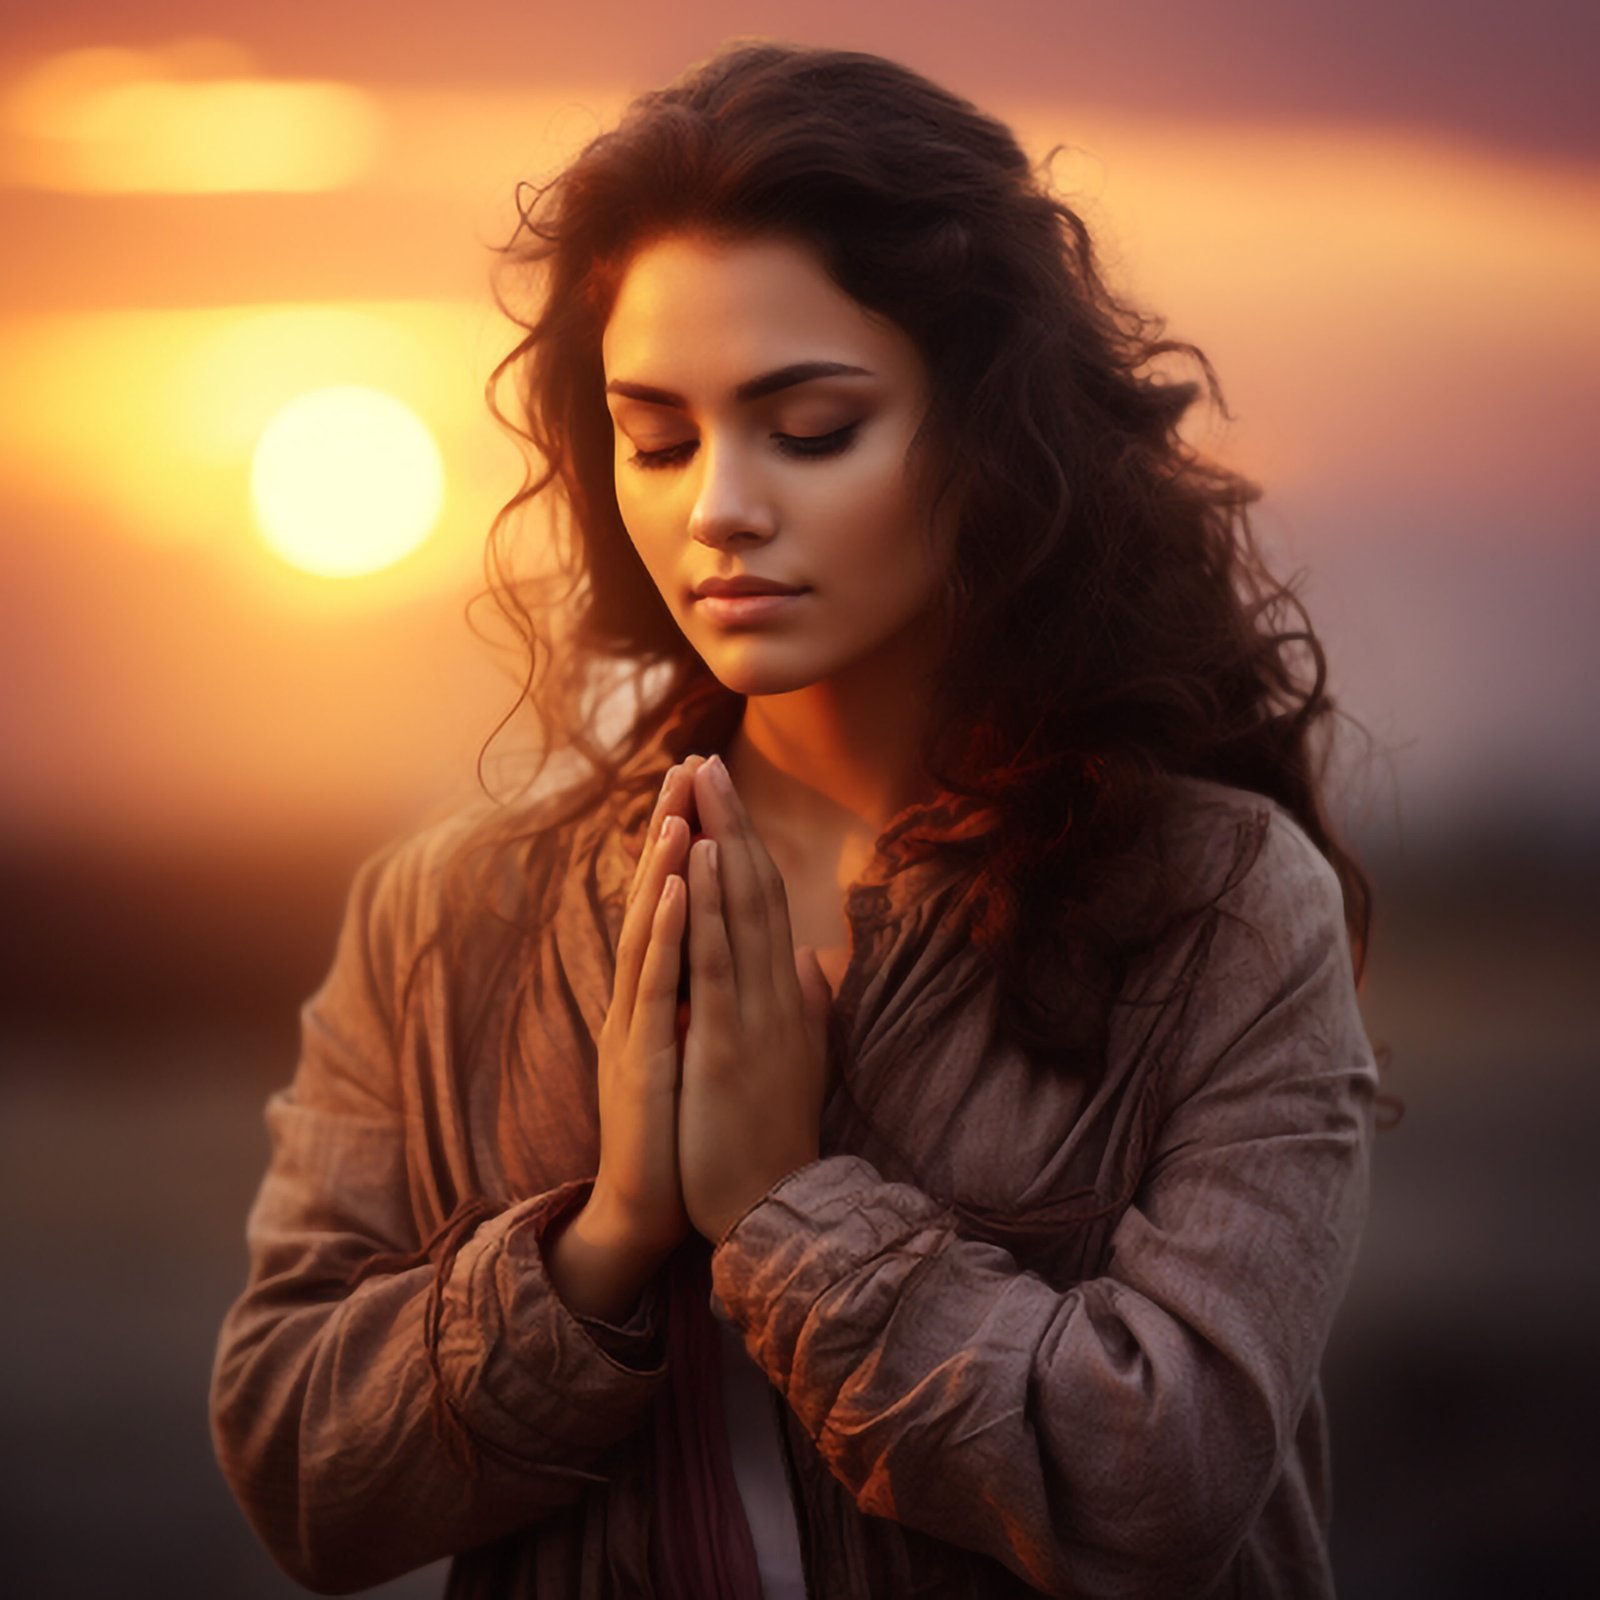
(169, 289)
(1336, 277)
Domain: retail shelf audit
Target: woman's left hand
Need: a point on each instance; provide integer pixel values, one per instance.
(755, 1056)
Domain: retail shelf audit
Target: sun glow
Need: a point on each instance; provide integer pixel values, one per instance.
(191, 120)
(346, 481)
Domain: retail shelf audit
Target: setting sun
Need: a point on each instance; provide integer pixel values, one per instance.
(346, 481)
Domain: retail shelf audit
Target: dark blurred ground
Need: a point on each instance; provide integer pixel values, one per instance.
(1461, 1375)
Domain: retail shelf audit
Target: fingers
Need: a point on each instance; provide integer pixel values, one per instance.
(665, 838)
(670, 789)
(661, 855)
(754, 901)
(655, 1007)
(716, 1000)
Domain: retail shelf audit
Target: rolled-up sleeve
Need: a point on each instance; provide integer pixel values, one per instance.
(1122, 1435)
(370, 1422)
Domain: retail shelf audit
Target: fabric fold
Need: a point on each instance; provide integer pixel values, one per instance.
(701, 1541)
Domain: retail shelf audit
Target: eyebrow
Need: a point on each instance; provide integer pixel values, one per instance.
(751, 389)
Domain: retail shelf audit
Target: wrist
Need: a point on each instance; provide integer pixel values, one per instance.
(717, 1228)
(612, 1230)
(597, 1271)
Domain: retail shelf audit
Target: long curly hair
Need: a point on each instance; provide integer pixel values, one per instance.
(1109, 622)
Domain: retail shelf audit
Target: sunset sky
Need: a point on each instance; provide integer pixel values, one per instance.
(1387, 240)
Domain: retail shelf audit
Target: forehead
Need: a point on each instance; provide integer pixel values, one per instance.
(696, 312)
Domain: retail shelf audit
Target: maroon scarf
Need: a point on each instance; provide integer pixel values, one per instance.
(701, 1547)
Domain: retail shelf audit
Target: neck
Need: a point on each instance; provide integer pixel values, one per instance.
(834, 762)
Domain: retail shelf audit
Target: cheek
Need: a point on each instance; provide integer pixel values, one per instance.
(645, 535)
(875, 526)
(862, 490)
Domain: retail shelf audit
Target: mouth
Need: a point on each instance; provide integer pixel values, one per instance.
(758, 607)
(742, 584)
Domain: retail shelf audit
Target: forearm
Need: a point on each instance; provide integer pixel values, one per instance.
(327, 1409)
(596, 1267)
(1120, 1433)
(1098, 1440)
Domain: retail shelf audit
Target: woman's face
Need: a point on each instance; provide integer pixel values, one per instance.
(728, 463)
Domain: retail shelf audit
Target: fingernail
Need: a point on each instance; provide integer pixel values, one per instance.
(719, 773)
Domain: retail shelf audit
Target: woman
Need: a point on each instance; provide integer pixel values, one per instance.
(976, 1225)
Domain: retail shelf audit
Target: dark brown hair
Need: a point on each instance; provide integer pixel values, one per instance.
(1109, 622)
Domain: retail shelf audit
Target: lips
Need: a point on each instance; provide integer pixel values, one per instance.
(743, 586)
(740, 610)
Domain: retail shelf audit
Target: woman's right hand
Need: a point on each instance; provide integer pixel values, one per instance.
(637, 1192)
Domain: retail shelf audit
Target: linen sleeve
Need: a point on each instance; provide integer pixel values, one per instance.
(368, 1429)
(1122, 1436)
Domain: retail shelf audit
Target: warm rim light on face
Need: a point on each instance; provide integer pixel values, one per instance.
(763, 422)
(346, 481)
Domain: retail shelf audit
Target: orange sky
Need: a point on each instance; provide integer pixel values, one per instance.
(1517, 77)
(1402, 318)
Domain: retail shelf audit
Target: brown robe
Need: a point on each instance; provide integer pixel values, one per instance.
(1120, 1396)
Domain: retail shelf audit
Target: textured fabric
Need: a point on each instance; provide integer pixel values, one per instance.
(703, 1546)
(761, 1478)
(1114, 1394)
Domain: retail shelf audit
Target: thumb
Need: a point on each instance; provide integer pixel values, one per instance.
(814, 983)
(818, 997)
(815, 991)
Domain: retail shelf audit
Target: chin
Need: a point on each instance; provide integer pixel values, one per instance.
(759, 683)
(756, 671)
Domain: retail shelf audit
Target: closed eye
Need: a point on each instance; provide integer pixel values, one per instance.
(803, 447)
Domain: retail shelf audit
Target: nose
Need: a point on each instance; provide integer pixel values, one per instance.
(731, 509)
